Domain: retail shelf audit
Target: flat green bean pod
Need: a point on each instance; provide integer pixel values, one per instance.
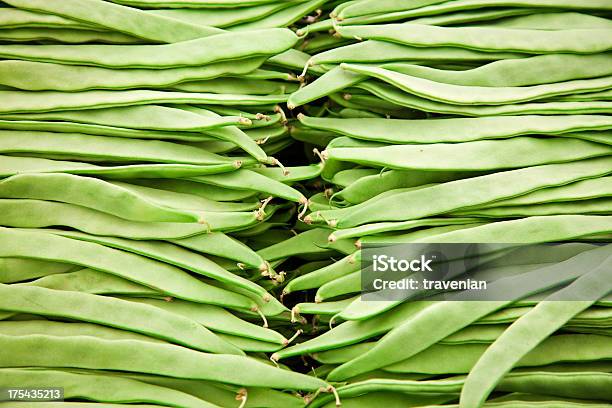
(170, 254)
(66, 35)
(101, 388)
(92, 193)
(479, 95)
(24, 102)
(144, 117)
(163, 277)
(16, 18)
(544, 107)
(493, 187)
(581, 190)
(200, 51)
(113, 312)
(23, 269)
(251, 180)
(219, 244)
(550, 315)
(595, 206)
(123, 19)
(430, 329)
(578, 41)
(214, 318)
(457, 130)
(12, 165)
(40, 76)
(476, 155)
(145, 357)
(100, 148)
(390, 9)
(372, 51)
(39, 214)
(92, 281)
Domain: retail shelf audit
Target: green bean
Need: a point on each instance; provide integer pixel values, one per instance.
(113, 312)
(431, 329)
(123, 19)
(22, 269)
(461, 359)
(250, 180)
(100, 388)
(207, 191)
(222, 394)
(156, 275)
(315, 279)
(116, 199)
(70, 127)
(250, 345)
(75, 328)
(183, 201)
(242, 85)
(66, 35)
(100, 148)
(493, 187)
(581, 190)
(324, 308)
(348, 177)
(16, 18)
(297, 173)
(475, 95)
(344, 285)
(200, 51)
(380, 51)
(313, 241)
(23, 213)
(552, 384)
(579, 41)
(553, 107)
(595, 206)
(564, 228)
(367, 7)
(214, 318)
(371, 186)
(217, 243)
(520, 337)
(221, 17)
(39, 76)
(12, 165)
(371, 229)
(470, 16)
(476, 155)
(281, 18)
(352, 332)
(140, 117)
(92, 281)
(454, 130)
(138, 356)
(174, 255)
(23, 102)
(231, 134)
(554, 21)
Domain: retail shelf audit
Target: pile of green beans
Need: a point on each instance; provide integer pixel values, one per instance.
(186, 187)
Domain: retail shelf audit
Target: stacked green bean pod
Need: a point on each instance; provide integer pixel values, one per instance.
(460, 122)
(186, 187)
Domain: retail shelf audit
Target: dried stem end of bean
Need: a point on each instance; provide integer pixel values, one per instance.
(333, 391)
(331, 238)
(263, 317)
(242, 396)
(237, 163)
(245, 121)
(295, 313)
(280, 110)
(286, 342)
